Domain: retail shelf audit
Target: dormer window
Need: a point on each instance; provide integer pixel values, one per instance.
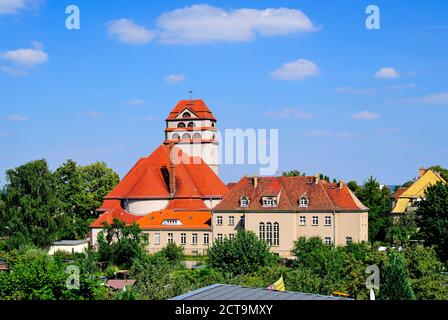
(181, 125)
(171, 222)
(190, 125)
(269, 202)
(186, 115)
(303, 202)
(244, 202)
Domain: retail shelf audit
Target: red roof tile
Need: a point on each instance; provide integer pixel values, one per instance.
(187, 220)
(197, 107)
(321, 195)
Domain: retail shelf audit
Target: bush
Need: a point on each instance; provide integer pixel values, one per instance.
(245, 254)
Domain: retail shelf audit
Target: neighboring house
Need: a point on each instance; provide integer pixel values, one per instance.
(69, 246)
(237, 293)
(281, 209)
(405, 200)
(170, 193)
(120, 285)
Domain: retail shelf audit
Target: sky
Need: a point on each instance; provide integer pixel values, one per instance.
(348, 101)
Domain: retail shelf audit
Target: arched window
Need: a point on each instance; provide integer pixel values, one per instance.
(190, 125)
(213, 124)
(175, 136)
(197, 136)
(186, 136)
(269, 233)
(276, 234)
(303, 202)
(181, 125)
(261, 231)
(186, 115)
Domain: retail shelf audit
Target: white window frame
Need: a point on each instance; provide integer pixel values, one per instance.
(206, 238)
(328, 221)
(219, 237)
(231, 220)
(194, 238)
(157, 238)
(170, 237)
(219, 220)
(328, 240)
(183, 238)
(302, 220)
(315, 221)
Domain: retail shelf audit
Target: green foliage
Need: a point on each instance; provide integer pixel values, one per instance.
(395, 282)
(353, 186)
(432, 219)
(173, 253)
(81, 191)
(401, 230)
(34, 275)
(120, 244)
(443, 172)
(293, 173)
(243, 255)
(426, 271)
(32, 213)
(377, 199)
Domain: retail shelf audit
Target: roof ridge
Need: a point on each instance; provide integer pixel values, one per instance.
(328, 196)
(286, 192)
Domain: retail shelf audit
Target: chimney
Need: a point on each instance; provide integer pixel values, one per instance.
(317, 178)
(340, 184)
(421, 171)
(172, 178)
(255, 181)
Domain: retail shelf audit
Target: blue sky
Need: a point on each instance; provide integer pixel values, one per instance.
(348, 102)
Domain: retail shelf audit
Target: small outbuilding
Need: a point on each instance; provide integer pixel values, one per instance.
(69, 246)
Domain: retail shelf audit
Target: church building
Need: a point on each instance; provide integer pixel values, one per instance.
(175, 195)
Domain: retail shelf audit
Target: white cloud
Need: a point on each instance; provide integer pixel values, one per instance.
(27, 57)
(14, 6)
(387, 73)
(289, 113)
(135, 102)
(11, 6)
(14, 71)
(365, 115)
(297, 70)
(16, 117)
(204, 24)
(127, 31)
(342, 134)
(351, 90)
(175, 78)
(434, 99)
(94, 114)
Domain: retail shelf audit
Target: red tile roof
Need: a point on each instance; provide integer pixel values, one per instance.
(322, 196)
(398, 192)
(197, 107)
(187, 219)
(116, 213)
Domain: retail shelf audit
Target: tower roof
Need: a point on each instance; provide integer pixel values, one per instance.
(197, 107)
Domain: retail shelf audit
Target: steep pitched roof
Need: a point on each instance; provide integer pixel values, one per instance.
(186, 219)
(321, 195)
(146, 180)
(114, 212)
(197, 107)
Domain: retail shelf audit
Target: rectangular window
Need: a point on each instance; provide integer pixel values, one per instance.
(302, 220)
(157, 238)
(170, 238)
(231, 236)
(231, 220)
(328, 220)
(206, 238)
(315, 221)
(219, 237)
(348, 240)
(194, 238)
(219, 220)
(328, 240)
(183, 238)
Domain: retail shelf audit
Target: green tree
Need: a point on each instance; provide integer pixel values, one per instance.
(353, 186)
(427, 273)
(443, 172)
(377, 199)
(395, 282)
(81, 191)
(173, 253)
(432, 219)
(401, 230)
(243, 255)
(32, 212)
(293, 173)
(34, 275)
(120, 244)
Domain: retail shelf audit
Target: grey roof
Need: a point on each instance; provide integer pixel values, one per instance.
(231, 292)
(69, 242)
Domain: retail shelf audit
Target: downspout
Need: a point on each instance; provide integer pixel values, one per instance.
(334, 227)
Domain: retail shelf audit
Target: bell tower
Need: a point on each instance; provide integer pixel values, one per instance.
(191, 126)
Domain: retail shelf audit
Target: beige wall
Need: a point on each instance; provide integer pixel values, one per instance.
(189, 248)
(79, 248)
(354, 225)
